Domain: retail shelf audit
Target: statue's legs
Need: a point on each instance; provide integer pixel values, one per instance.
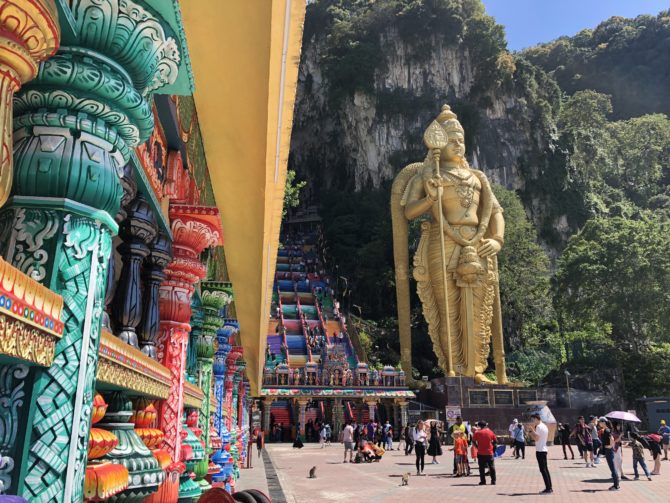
(470, 309)
(454, 300)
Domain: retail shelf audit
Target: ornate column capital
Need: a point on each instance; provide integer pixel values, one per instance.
(29, 34)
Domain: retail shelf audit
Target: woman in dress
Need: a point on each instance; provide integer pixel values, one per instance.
(434, 447)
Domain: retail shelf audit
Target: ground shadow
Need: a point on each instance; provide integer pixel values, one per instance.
(598, 481)
(519, 494)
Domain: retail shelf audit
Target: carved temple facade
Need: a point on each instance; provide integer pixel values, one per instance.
(123, 366)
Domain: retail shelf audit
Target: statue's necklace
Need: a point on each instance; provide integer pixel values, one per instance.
(464, 186)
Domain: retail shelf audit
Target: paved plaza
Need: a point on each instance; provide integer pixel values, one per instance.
(517, 480)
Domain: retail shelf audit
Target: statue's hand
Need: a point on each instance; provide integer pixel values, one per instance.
(489, 248)
(433, 187)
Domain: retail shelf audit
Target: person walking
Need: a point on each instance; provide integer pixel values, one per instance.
(485, 440)
(419, 438)
(348, 441)
(582, 435)
(402, 442)
(617, 434)
(595, 439)
(434, 447)
(540, 433)
(655, 448)
(638, 456)
(520, 441)
(388, 431)
(564, 432)
(608, 449)
(664, 431)
(322, 436)
(409, 440)
(260, 442)
(512, 431)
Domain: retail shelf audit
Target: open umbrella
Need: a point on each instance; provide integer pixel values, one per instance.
(623, 416)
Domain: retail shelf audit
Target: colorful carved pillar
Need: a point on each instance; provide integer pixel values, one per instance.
(138, 231)
(221, 457)
(236, 430)
(267, 412)
(145, 472)
(372, 408)
(160, 257)
(73, 127)
(302, 404)
(29, 34)
(229, 413)
(194, 228)
(338, 415)
(215, 297)
(404, 412)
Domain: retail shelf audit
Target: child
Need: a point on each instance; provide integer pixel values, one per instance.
(638, 456)
(460, 452)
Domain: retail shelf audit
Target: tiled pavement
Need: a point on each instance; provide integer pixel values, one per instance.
(518, 481)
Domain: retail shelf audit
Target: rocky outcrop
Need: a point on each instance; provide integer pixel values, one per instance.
(364, 138)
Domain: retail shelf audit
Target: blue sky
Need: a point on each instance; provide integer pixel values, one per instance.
(529, 22)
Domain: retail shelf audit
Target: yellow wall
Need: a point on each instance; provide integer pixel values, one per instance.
(236, 51)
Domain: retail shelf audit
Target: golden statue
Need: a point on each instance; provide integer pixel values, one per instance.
(455, 265)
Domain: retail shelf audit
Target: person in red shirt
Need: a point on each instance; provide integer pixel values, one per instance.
(485, 440)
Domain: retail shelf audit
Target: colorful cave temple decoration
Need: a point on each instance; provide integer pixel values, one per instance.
(312, 369)
(124, 378)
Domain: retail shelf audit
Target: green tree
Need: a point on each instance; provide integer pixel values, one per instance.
(292, 192)
(524, 272)
(617, 271)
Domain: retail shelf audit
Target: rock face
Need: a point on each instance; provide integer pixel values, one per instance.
(364, 138)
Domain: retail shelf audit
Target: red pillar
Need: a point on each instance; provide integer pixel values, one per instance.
(194, 228)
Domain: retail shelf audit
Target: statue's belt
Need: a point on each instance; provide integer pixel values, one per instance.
(466, 232)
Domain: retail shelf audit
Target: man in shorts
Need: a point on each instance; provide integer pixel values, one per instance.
(348, 440)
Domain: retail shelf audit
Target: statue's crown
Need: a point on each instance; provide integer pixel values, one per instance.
(449, 121)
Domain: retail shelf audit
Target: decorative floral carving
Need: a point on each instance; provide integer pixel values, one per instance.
(12, 382)
(126, 367)
(82, 264)
(131, 35)
(33, 228)
(29, 33)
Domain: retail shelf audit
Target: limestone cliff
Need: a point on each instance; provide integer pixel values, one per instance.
(359, 131)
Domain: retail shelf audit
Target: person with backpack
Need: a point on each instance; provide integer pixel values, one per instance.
(638, 456)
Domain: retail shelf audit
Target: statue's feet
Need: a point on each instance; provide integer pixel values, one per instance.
(482, 379)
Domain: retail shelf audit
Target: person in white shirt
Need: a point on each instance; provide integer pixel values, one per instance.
(512, 433)
(348, 440)
(539, 432)
(419, 437)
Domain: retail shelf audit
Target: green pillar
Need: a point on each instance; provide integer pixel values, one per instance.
(74, 126)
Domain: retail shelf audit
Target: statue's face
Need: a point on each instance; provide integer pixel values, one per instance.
(455, 149)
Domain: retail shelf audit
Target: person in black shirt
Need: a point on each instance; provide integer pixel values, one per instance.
(608, 449)
(564, 430)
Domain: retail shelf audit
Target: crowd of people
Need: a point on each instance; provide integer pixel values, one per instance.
(595, 439)
(600, 437)
(366, 442)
